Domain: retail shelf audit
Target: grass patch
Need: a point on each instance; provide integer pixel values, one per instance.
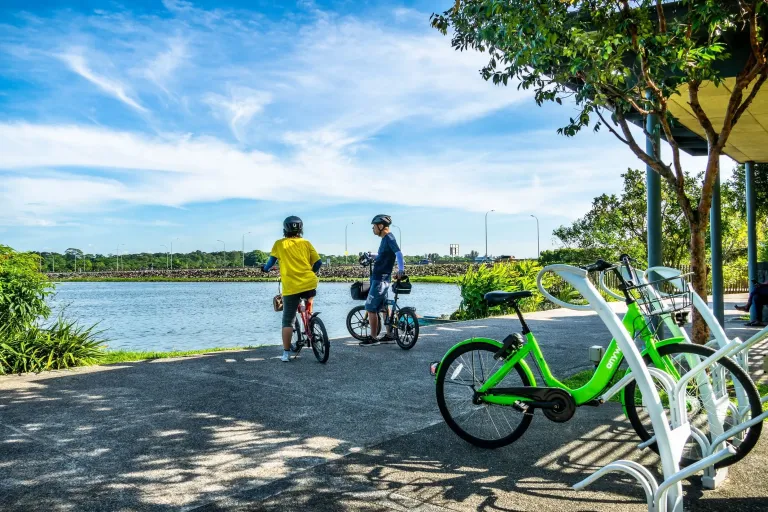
(126, 356)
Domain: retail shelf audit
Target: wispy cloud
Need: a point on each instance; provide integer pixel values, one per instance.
(239, 107)
(77, 63)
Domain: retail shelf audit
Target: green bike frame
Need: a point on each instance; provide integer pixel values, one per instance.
(633, 321)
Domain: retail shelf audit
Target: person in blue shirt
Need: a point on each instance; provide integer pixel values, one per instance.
(381, 275)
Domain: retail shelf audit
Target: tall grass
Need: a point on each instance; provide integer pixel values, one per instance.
(62, 344)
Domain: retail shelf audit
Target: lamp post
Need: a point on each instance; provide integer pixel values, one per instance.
(345, 242)
(400, 237)
(486, 233)
(118, 256)
(225, 251)
(166, 255)
(172, 252)
(538, 246)
(248, 233)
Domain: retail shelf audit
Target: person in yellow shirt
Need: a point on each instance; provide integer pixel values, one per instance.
(299, 264)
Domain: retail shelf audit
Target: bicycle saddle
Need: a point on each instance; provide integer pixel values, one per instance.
(497, 298)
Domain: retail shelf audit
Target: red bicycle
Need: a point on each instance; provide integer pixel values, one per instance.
(308, 329)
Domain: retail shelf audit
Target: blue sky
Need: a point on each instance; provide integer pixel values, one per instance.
(142, 123)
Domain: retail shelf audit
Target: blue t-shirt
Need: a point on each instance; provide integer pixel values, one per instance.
(385, 260)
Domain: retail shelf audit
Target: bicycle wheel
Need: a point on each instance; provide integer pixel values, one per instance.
(358, 325)
(484, 425)
(406, 328)
(725, 375)
(320, 344)
(297, 341)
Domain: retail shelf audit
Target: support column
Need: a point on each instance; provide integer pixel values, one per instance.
(653, 186)
(716, 246)
(749, 178)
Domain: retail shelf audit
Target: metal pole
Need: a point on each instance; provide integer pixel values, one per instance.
(172, 252)
(538, 245)
(400, 237)
(749, 185)
(345, 242)
(166, 255)
(486, 234)
(653, 191)
(117, 258)
(248, 233)
(716, 246)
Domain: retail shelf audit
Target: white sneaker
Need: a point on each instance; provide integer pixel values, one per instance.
(286, 357)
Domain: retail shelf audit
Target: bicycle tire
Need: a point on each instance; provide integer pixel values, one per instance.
(407, 328)
(321, 346)
(357, 323)
(297, 343)
(752, 435)
(440, 390)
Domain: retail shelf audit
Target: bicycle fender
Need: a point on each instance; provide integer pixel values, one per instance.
(313, 316)
(497, 344)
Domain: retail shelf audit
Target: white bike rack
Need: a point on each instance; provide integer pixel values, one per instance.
(671, 434)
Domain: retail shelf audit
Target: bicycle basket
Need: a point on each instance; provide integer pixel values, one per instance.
(663, 296)
(359, 290)
(403, 286)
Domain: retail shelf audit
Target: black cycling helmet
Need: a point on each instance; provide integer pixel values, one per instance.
(293, 226)
(382, 219)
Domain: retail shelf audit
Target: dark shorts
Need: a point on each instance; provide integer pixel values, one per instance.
(377, 295)
(291, 305)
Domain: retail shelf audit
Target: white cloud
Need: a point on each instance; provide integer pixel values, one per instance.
(239, 107)
(78, 64)
(162, 67)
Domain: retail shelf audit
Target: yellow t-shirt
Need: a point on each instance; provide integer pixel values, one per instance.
(296, 257)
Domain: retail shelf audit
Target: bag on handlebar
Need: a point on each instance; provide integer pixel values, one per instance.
(277, 300)
(359, 290)
(403, 285)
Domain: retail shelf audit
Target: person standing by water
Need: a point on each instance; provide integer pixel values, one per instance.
(381, 275)
(299, 264)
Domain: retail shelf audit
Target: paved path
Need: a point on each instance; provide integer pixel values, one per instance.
(243, 431)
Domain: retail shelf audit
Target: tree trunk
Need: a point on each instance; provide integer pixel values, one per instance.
(699, 278)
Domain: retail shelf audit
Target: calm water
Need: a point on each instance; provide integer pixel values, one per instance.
(186, 316)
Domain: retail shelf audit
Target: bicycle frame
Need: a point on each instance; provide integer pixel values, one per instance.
(604, 373)
(306, 317)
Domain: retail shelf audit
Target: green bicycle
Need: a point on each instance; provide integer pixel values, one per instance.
(488, 394)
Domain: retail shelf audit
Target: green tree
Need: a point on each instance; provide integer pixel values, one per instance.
(618, 59)
(617, 224)
(736, 186)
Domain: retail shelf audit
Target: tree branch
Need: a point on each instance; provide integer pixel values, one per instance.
(755, 89)
(662, 18)
(614, 132)
(693, 97)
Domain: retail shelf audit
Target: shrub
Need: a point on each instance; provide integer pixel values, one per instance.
(26, 344)
(508, 277)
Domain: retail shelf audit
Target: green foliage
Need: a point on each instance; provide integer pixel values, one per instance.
(63, 344)
(515, 276)
(25, 344)
(575, 255)
(616, 224)
(23, 290)
(736, 185)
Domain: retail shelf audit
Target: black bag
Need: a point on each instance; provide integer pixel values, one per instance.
(359, 290)
(403, 285)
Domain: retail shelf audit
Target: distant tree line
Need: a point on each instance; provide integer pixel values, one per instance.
(74, 259)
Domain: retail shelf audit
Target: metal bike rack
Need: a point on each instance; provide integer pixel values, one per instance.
(672, 433)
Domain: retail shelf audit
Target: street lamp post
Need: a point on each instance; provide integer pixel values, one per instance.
(538, 245)
(166, 255)
(248, 233)
(177, 238)
(225, 250)
(345, 242)
(400, 237)
(486, 233)
(118, 255)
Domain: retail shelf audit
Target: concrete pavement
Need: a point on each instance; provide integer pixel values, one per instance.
(243, 431)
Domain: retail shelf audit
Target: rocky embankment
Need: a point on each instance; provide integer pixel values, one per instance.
(349, 272)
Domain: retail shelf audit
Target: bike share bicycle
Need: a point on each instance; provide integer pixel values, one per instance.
(308, 330)
(487, 393)
(404, 321)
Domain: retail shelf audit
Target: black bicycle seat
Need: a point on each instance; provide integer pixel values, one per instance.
(497, 298)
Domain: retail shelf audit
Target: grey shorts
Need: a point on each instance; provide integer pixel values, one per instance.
(377, 295)
(291, 306)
